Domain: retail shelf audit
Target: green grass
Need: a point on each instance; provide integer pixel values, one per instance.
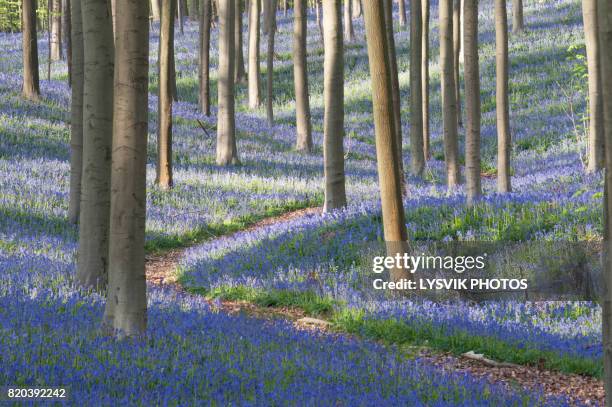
(163, 243)
(395, 332)
(307, 301)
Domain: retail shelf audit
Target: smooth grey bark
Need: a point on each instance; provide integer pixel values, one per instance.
(227, 153)
(402, 12)
(31, 83)
(67, 34)
(56, 30)
(76, 112)
(501, 98)
(180, 10)
(318, 15)
(449, 102)
(253, 68)
(204, 59)
(472, 102)
(125, 313)
(240, 73)
(457, 13)
(518, 24)
(333, 95)
(164, 101)
(604, 17)
(416, 90)
(596, 155)
(349, 33)
(98, 62)
(300, 77)
(357, 9)
(265, 9)
(394, 223)
(155, 10)
(395, 90)
(425, 79)
(271, 24)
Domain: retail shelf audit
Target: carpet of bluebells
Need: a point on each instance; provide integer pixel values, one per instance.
(48, 328)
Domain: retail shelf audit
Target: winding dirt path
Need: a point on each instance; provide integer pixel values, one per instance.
(581, 390)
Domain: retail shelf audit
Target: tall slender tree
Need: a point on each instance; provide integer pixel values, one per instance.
(164, 101)
(402, 12)
(518, 24)
(254, 73)
(271, 23)
(31, 83)
(300, 77)
(98, 62)
(204, 65)
(425, 78)
(155, 10)
(240, 73)
(472, 101)
(395, 91)
(349, 33)
(67, 33)
(457, 13)
(56, 30)
(126, 304)
(227, 152)
(76, 112)
(449, 102)
(394, 224)
(604, 17)
(318, 15)
(416, 90)
(501, 98)
(596, 156)
(333, 95)
(357, 10)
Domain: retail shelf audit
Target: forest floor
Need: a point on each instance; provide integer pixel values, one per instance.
(579, 389)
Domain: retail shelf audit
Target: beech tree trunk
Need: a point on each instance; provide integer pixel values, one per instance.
(596, 155)
(394, 223)
(76, 112)
(517, 16)
(318, 15)
(501, 97)
(155, 9)
(472, 102)
(227, 153)
(395, 91)
(240, 73)
(164, 121)
(300, 77)
(449, 102)
(67, 34)
(254, 71)
(126, 304)
(265, 5)
(271, 23)
(416, 90)
(31, 83)
(204, 68)
(92, 259)
(333, 94)
(357, 10)
(457, 12)
(56, 30)
(402, 12)
(349, 33)
(604, 17)
(425, 79)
